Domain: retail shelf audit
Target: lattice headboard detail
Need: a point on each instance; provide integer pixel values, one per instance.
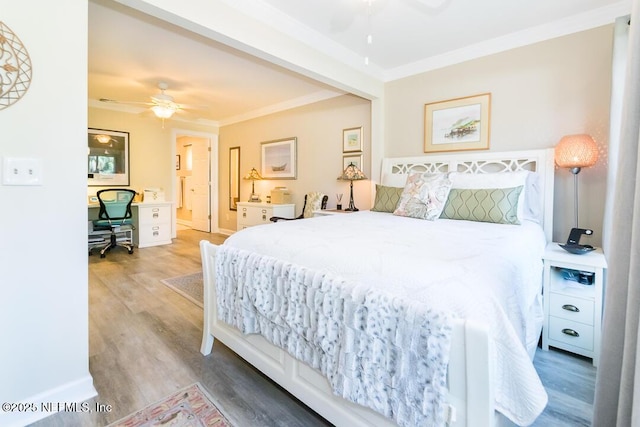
(540, 161)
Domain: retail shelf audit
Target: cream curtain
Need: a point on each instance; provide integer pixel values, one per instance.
(617, 399)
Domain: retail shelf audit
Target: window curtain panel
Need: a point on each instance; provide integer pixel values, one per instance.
(617, 397)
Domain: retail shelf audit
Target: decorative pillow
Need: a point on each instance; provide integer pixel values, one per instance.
(493, 181)
(314, 203)
(387, 198)
(498, 205)
(424, 196)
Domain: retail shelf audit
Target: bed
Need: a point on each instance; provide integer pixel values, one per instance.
(372, 318)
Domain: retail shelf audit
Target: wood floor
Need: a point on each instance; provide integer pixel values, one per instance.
(144, 344)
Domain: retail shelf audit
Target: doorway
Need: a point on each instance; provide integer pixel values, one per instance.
(195, 171)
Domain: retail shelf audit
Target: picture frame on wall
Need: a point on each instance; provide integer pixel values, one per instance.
(457, 124)
(279, 159)
(356, 159)
(352, 140)
(108, 158)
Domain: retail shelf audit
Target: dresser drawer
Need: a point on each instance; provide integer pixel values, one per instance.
(572, 333)
(154, 234)
(254, 215)
(154, 214)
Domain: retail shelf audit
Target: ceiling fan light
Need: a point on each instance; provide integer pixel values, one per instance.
(163, 111)
(103, 139)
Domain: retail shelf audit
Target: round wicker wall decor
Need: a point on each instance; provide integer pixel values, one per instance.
(15, 67)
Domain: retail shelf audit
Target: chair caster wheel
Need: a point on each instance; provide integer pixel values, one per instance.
(130, 251)
(102, 255)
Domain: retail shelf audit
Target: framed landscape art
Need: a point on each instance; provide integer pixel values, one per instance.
(279, 159)
(457, 124)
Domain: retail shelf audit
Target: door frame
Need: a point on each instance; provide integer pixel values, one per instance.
(213, 174)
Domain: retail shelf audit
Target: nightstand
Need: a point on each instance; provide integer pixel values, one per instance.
(250, 213)
(573, 308)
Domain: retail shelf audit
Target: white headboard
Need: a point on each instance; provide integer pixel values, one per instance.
(540, 161)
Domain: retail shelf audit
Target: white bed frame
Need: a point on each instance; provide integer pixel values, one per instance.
(471, 394)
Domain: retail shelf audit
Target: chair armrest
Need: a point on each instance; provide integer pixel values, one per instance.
(279, 218)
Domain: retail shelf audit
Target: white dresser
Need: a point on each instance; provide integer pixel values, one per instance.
(154, 224)
(250, 213)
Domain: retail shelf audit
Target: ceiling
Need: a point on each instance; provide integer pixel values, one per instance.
(131, 52)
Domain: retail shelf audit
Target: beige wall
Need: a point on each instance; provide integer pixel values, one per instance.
(318, 129)
(539, 93)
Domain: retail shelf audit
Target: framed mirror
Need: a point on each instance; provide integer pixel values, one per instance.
(234, 178)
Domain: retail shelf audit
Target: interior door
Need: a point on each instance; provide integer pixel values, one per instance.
(200, 189)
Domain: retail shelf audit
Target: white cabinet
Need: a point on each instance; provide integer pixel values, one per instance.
(250, 214)
(154, 224)
(573, 293)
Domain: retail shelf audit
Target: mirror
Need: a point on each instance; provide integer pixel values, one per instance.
(234, 178)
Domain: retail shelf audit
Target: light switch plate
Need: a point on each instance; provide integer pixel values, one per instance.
(21, 171)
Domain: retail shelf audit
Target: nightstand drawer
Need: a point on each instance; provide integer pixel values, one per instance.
(572, 333)
(255, 215)
(571, 308)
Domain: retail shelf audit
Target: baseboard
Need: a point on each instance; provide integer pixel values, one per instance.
(226, 232)
(47, 403)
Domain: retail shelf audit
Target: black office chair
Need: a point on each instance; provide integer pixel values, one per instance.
(114, 220)
(312, 202)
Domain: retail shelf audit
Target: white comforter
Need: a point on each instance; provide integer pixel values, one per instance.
(487, 272)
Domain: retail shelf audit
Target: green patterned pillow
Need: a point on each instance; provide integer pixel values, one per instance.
(498, 205)
(387, 198)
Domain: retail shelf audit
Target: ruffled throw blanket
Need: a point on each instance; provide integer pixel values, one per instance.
(377, 350)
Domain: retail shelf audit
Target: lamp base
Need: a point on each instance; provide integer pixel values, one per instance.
(255, 198)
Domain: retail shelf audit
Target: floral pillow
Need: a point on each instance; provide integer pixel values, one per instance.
(424, 196)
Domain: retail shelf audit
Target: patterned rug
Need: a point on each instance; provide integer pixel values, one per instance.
(190, 286)
(189, 407)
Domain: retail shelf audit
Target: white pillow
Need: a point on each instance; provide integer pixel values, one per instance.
(424, 196)
(394, 179)
(528, 202)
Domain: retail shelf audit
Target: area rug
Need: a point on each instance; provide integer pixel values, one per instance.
(190, 407)
(190, 286)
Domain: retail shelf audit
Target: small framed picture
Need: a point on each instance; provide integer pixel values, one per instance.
(177, 162)
(356, 159)
(352, 140)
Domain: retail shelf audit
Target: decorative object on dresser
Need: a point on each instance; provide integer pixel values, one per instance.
(352, 140)
(312, 202)
(573, 289)
(279, 159)
(254, 176)
(576, 152)
(457, 124)
(250, 213)
(352, 173)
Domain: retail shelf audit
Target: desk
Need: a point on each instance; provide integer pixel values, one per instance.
(152, 222)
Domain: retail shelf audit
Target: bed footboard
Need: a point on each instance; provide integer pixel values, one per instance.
(471, 395)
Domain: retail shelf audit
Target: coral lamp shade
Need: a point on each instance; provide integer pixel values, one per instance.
(576, 151)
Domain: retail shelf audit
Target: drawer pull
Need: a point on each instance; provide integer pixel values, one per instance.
(244, 214)
(264, 217)
(155, 215)
(570, 307)
(570, 332)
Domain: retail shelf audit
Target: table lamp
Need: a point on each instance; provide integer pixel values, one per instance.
(576, 152)
(254, 176)
(352, 173)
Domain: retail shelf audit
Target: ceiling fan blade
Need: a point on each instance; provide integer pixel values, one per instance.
(114, 101)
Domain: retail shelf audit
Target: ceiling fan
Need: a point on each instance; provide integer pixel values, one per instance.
(162, 105)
